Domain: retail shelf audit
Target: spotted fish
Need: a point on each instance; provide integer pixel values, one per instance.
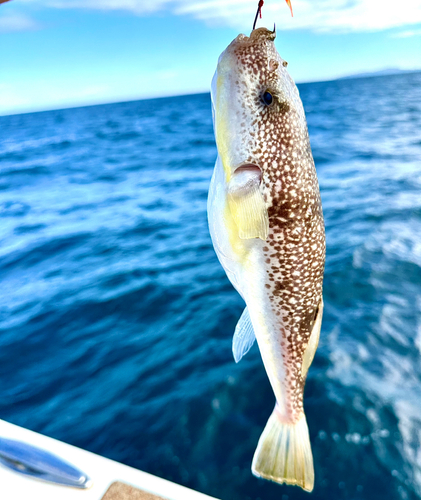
(266, 223)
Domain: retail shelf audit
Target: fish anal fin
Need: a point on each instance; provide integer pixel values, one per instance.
(247, 205)
(313, 341)
(284, 453)
(243, 336)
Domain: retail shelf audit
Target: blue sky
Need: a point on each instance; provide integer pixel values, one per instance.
(62, 53)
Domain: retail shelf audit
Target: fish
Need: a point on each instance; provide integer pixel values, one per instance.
(266, 223)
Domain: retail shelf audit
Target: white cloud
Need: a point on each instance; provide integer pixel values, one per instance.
(17, 22)
(319, 16)
(135, 6)
(407, 34)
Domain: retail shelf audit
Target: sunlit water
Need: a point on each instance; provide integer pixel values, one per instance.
(116, 318)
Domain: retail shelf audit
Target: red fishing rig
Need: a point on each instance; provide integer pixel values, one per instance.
(259, 10)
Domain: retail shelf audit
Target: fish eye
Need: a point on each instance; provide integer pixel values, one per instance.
(267, 98)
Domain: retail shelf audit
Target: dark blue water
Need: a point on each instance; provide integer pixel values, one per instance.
(116, 317)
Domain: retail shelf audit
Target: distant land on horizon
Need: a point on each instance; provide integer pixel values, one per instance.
(382, 72)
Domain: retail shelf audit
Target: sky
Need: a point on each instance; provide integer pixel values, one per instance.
(63, 53)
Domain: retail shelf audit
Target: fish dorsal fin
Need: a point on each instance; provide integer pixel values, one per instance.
(243, 336)
(246, 203)
(313, 341)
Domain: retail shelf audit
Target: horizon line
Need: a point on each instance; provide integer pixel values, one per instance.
(382, 74)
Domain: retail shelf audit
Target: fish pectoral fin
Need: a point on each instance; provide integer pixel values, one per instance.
(247, 205)
(313, 341)
(243, 336)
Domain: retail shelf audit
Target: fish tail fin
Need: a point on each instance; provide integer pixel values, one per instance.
(284, 453)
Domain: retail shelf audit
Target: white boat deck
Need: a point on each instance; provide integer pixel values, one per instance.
(102, 471)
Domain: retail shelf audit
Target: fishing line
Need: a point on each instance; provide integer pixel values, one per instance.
(259, 11)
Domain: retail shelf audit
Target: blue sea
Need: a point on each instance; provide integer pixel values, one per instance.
(116, 318)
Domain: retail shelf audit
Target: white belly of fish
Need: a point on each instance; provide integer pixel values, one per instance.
(243, 262)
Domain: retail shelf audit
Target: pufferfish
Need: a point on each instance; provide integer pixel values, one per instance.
(266, 223)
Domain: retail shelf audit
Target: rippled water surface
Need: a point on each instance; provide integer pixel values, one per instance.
(116, 318)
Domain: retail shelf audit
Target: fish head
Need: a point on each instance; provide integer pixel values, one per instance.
(252, 97)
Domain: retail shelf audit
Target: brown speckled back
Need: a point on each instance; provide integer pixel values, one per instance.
(295, 248)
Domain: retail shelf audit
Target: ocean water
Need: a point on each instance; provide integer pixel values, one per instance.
(116, 318)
